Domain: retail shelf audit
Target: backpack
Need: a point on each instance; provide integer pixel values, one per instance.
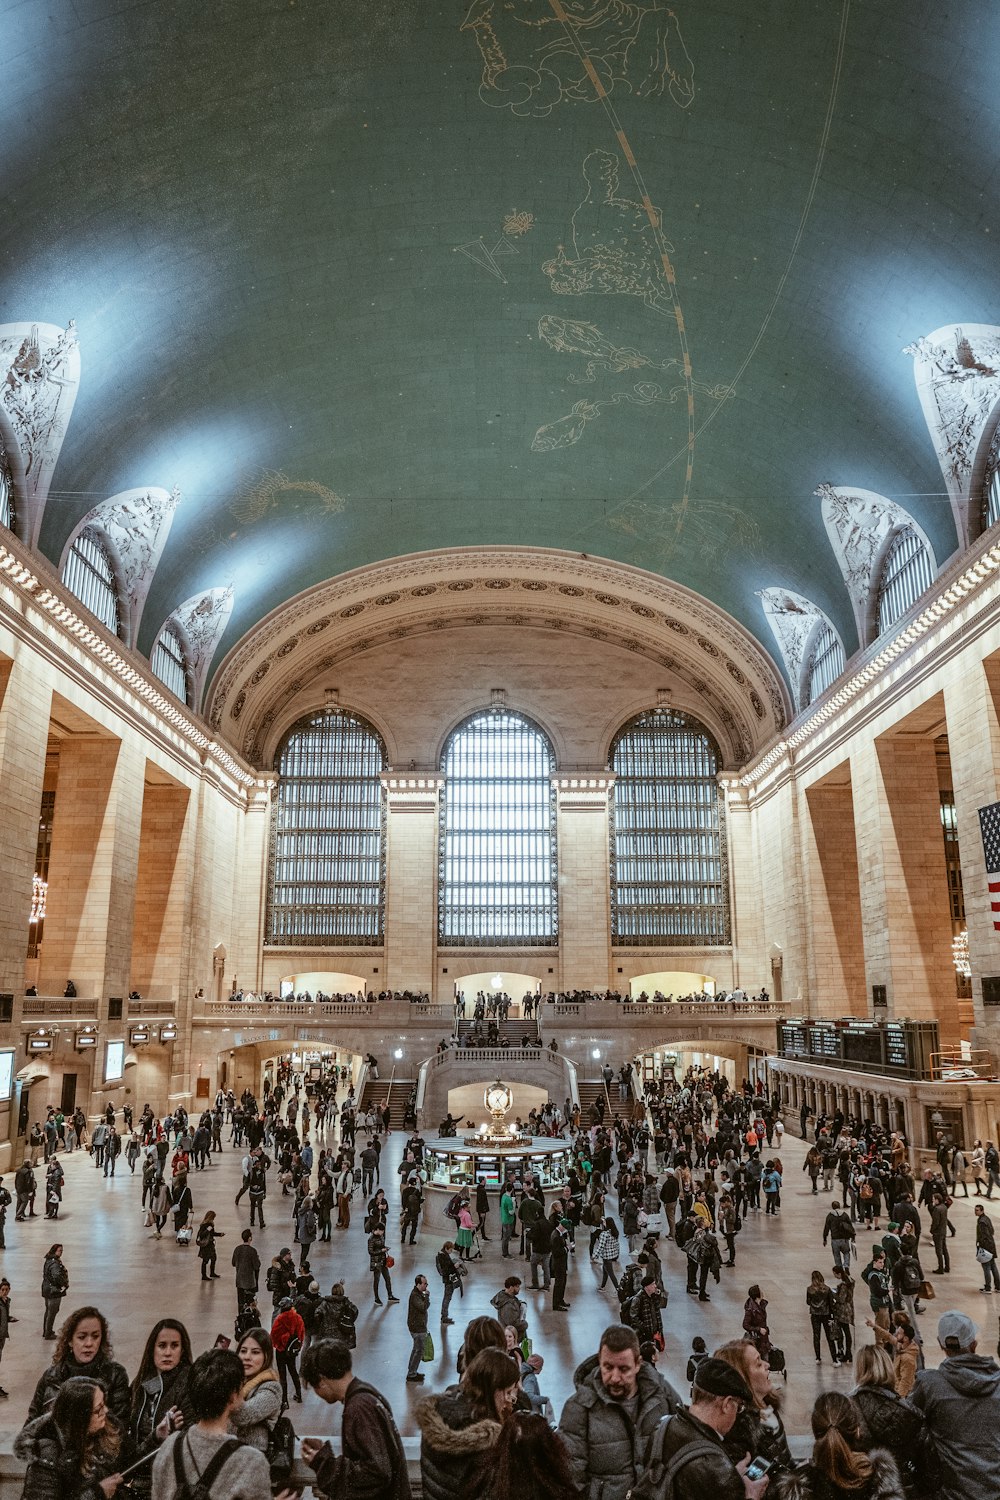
(309, 1225)
(867, 1191)
(273, 1279)
(656, 1482)
(201, 1489)
(280, 1452)
(454, 1205)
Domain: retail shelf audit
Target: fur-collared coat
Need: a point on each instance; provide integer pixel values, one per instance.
(809, 1484)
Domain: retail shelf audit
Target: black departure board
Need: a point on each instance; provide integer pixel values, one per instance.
(900, 1049)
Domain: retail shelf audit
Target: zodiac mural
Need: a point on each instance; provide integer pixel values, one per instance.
(265, 496)
(538, 54)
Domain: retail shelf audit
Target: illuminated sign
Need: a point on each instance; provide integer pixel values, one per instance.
(138, 1036)
(39, 1044)
(85, 1039)
(168, 1033)
(114, 1063)
(6, 1074)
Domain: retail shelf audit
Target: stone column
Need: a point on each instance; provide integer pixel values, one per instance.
(159, 936)
(25, 700)
(905, 915)
(582, 835)
(750, 963)
(833, 902)
(93, 867)
(251, 886)
(411, 881)
(974, 748)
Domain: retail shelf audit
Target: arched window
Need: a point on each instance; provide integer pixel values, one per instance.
(825, 664)
(497, 876)
(327, 866)
(7, 516)
(991, 485)
(906, 572)
(169, 662)
(669, 883)
(89, 575)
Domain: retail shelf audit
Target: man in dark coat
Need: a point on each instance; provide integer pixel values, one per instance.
(372, 1463)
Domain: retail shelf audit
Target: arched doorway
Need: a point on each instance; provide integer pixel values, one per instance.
(254, 1063)
(326, 982)
(496, 982)
(671, 984)
(673, 1058)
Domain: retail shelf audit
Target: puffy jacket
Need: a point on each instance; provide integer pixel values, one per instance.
(707, 1474)
(809, 1484)
(509, 1309)
(55, 1277)
(150, 1405)
(453, 1444)
(287, 1326)
(893, 1424)
(750, 1434)
(606, 1450)
(53, 1473)
(961, 1401)
(111, 1375)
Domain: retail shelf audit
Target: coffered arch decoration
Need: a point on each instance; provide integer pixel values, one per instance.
(861, 525)
(134, 525)
(957, 372)
(740, 686)
(39, 379)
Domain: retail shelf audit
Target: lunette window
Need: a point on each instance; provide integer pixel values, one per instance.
(169, 663)
(906, 572)
(826, 663)
(89, 575)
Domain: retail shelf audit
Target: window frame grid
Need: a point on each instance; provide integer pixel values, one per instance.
(907, 572)
(519, 907)
(83, 575)
(174, 675)
(8, 511)
(828, 647)
(341, 855)
(991, 484)
(668, 912)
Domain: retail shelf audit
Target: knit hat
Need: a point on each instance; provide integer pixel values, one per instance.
(714, 1377)
(285, 1305)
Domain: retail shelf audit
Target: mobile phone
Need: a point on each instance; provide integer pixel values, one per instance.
(758, 1467)
(222, 1342)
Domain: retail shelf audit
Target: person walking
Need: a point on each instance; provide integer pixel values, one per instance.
(838, 1229)
(205, 1240)
(986, 1250)
(606, 1251)
(378, 1264)
(55, 1285)
(416, 1323)
(306, 1228)
(819, 1300)
(159, 1205)
(246, 1263)
(843, 1315)
(372, 1462)
(287, 1334)
(939, 1233)
(4, 1324)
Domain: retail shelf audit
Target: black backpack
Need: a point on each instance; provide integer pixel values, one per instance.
(656, 1482)
(201, 1489)
(281, 1451)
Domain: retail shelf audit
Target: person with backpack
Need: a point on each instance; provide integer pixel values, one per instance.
(643, 1313)
(288, 1334)
(839, 1230)
(205, 1240)
(372, 1461)
(451, 1277)
(205, 1462)
(306, 1228)
(686, 1459)
(615, 1409)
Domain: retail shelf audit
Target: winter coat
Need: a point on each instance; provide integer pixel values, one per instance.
(606, 1450)
(607, 1246)
(755, 1324)
(150, 1405)
(710, 1475)
(819, 1300)
(111, 1375)
(286, 1327)
(961, 1401)
(510, 1309)
(371, 1461)
(254, 1421)
(55, 1277)
(985, 1238)
(453, 1444)
(809, 1484)
(645, 1317)
(895, 1425)
(53, 1471)
(750, 1434)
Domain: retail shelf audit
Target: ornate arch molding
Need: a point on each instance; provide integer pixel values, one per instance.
(675, 628)
(200, 622)
(40, 365)
(957, 373)
(13, 463)
(861, 525)
(134, 525)
(796, 622)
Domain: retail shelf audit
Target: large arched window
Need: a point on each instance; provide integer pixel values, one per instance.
(169, 663)
(826, 662)
(89, 575)
(497, 876)
(907, 571)
(669, 883)
(327, 867)
(7, 516)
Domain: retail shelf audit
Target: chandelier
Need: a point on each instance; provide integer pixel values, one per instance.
(960, 953)
(39, 889)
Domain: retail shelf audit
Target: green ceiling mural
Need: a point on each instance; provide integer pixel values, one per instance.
(609, 275)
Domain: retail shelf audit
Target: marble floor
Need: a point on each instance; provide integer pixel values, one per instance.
(114, 1262)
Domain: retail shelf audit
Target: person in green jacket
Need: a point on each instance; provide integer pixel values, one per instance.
(508, 1218)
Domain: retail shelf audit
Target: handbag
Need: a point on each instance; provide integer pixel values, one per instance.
(927, 1291)
(983, 1255)
(428, 1352)
(294, 1346)
(149, 1220)
(525, 1347)
(389, 1262)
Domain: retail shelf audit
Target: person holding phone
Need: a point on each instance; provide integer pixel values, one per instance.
(160, 1402)
(719, 1397)
(758, 1429)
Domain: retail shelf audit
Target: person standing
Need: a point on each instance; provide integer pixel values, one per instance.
(372, 1462)
(819, 1300)
(378, 1263)
(839, 1230)
(482, 1208)
(207, 1253)
(4, 1324)
(55, 1285)
(287, 1334)
(961, 1402)
(112, 1151)
(508, 1219)
(257, 1192)
(416, 1323)
(606, 1250)
(25, 1187)
(246, 1263)
(939, 1233)
(558, 1263)
(451, 1277)
(986, 1250)
(5, 1202)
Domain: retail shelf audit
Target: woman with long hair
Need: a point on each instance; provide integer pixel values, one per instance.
(527, 1462)
(254, 1421)
(460, 1427)
(819, 1300)
(755, 1319)
(839, 1469)
(758, 1429)
(71, 1451)
(205, 1240)
(607, 1250)
(55, 1284)
(160, 1401)
(890, 1422)
(83, 1347)
(480, 1333)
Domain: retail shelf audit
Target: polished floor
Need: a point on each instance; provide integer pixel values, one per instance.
(114, 1262)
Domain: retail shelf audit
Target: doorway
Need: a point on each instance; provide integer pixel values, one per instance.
(67, 1100)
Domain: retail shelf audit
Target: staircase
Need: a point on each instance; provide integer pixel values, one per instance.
(510, 1032)
(375, 1094)
(591, 1089)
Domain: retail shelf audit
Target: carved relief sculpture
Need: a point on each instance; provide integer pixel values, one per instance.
(42, 364)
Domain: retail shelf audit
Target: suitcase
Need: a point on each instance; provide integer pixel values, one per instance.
(776, 1362)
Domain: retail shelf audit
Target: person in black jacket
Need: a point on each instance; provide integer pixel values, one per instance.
(719, 1396)
(460, 1426)
(451, 1277)
(890, 1422)
(84, 1348)
(160, 1397)
(758, 1430)
(558, 1263)
(819, 1300)
(72, 1450)
(55, 1285)
(372, 1462)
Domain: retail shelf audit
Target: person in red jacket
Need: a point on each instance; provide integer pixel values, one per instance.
(287, 1334)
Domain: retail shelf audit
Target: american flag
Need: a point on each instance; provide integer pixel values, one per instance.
(989, 823)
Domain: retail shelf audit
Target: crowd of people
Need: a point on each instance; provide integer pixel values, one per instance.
(669, 1184)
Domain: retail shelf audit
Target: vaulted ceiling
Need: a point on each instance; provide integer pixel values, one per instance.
(599, 275)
